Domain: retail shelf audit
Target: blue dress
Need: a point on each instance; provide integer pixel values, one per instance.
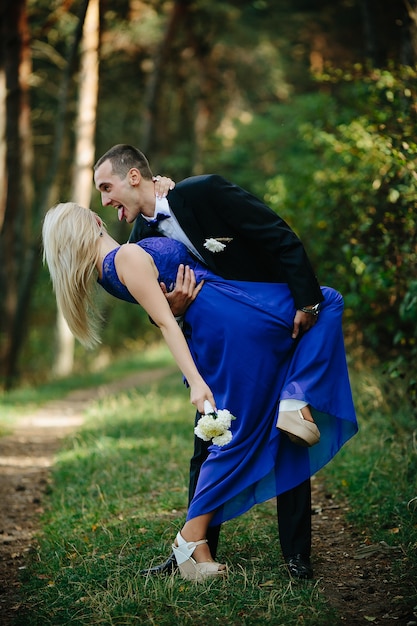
(239, 334)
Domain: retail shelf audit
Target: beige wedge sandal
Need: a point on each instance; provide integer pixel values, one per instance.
(298, 429)
(189, 568)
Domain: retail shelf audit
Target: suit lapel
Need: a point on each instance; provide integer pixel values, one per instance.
(186, 219)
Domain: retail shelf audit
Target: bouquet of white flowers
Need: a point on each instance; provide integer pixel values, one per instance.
(214, 425)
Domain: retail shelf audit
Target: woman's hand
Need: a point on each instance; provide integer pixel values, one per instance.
(199, 393)
(162, 186)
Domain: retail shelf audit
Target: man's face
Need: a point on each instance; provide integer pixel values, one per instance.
(117, 192)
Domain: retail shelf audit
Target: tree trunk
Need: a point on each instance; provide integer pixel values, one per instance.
(19, 259)
(409, 39)
(178, 12)
(369, 34)
(17, 193)
(84, 156)
(3, 91)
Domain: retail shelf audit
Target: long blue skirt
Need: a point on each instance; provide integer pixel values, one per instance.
(239, 334)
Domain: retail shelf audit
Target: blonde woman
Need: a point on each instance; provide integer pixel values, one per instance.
(235, 351)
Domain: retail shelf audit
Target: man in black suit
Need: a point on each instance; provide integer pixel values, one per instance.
(254, 244)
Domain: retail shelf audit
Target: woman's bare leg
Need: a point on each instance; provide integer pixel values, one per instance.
(196, 529)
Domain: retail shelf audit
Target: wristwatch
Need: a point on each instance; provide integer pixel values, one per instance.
(312, 310)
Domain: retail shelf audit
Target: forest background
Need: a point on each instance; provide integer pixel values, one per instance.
(309, 104)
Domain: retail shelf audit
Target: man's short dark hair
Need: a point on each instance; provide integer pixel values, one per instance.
(122, 158)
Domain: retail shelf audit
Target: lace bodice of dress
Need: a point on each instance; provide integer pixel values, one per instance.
(167, 254)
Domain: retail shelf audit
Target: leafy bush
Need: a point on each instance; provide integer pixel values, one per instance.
(346, 182)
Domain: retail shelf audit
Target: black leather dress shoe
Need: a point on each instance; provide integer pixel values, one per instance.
(299, 566)
(164, 569)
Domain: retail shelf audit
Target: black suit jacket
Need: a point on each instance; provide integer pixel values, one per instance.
(262, 248)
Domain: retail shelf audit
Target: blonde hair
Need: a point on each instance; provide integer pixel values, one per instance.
(70, 235)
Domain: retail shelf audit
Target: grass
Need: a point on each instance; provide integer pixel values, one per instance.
(377, 472)
(24, 399)
(118, 497)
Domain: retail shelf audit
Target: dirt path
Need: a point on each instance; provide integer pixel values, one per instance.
(360, 588)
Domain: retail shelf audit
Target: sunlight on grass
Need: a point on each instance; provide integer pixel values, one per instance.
(25, 399)
(119, 496)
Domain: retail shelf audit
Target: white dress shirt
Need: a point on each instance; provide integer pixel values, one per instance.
(170, 228)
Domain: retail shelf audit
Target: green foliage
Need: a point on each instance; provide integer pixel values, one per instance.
(234, 94)
(125, 326)
(366, 184)
(346, 181)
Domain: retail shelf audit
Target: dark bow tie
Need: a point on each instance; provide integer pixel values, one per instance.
(159, 218)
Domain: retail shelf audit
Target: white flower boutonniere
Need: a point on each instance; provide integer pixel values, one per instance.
(216, 245)
(214, 425)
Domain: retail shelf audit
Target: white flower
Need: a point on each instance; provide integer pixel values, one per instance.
(207, 427)
(222, 440)
(224, 417)
(214, 245)
(215, 426)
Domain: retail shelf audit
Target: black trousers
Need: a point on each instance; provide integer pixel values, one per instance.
(293, 510)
